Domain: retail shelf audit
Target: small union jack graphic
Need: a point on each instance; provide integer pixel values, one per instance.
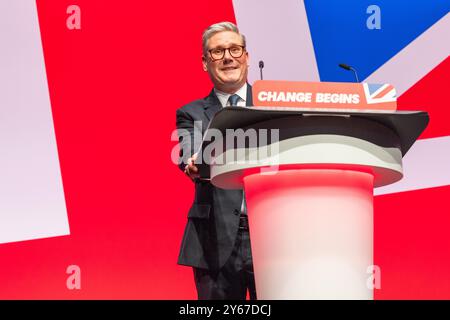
(379, 93)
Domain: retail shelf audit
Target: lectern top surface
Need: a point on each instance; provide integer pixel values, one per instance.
(408, 125)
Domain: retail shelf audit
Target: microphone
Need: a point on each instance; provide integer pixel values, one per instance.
(261, 66)
(349, 68)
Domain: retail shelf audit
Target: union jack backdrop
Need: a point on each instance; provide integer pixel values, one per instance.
(87, 112)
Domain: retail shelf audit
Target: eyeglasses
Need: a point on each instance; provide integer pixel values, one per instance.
(219, 53)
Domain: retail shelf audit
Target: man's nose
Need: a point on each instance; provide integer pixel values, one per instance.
(227, 56)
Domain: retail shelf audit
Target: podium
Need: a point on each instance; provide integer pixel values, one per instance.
(309, 191)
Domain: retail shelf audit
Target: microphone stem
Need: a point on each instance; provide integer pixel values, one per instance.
(356, 74)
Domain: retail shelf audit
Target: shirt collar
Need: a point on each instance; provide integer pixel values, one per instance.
(223, 96)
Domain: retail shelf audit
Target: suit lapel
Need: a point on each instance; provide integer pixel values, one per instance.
(212, 105)
(249, 100)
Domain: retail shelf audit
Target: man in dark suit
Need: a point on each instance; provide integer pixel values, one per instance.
(216, 240)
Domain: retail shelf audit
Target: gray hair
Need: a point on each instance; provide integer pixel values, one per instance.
(216, 28)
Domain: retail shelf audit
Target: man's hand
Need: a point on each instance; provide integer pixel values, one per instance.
(191, 169)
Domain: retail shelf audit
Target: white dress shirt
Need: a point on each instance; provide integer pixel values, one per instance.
(223, 97)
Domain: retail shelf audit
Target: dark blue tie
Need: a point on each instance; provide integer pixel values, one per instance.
(233, 99)
(244, 204)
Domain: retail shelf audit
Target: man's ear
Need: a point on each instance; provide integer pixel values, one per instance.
(204, 62)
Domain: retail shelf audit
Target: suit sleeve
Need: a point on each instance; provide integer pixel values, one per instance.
(187, 132)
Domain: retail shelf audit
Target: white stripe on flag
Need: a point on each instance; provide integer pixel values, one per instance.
(426, 165)
(32, 203)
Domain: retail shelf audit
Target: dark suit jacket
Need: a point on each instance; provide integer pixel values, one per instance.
(213, 219)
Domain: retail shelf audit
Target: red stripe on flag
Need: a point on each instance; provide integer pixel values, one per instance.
(430, 94)
(383, 92)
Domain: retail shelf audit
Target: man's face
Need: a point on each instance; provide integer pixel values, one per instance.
(228, 74)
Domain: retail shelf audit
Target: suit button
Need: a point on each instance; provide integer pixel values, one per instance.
(236, 212)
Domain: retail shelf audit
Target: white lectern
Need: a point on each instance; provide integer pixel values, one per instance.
(309, 191)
